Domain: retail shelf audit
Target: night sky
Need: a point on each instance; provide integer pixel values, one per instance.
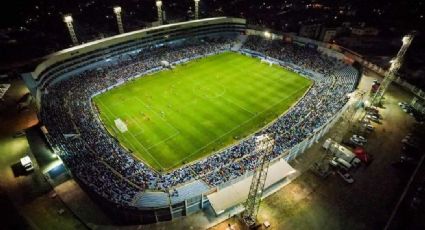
(37, 25)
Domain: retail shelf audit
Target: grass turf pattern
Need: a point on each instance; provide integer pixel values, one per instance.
(181, 115)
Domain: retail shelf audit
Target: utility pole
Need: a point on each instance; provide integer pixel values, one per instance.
(263, 149)
(392, 72)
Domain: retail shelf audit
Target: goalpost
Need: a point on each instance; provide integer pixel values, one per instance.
(263, 60)
(121, 126)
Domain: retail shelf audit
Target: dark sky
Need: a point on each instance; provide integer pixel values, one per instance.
(399, 13)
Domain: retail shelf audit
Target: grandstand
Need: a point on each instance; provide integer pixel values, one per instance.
(65, 83)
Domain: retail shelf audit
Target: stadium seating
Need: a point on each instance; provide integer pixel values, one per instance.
(99, 161)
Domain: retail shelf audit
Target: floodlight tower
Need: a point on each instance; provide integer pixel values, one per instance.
(252, 204)
(117, 11)
(68, 21)
(196, 9)
(391, 74)
(159, 9)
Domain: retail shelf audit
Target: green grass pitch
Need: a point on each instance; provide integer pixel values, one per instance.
(181, 115)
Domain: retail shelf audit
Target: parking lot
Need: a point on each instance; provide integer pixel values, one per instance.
(311, 202)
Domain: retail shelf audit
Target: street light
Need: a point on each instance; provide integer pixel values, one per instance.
(68, 21)
(159, 9)
(196, 9)
(117, 11)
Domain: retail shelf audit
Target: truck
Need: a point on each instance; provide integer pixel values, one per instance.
(342, 152)
(27, 163)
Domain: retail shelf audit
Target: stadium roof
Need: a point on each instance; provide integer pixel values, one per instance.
(100, 43)
(237, 193)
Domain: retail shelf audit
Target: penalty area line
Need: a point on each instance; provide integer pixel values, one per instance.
(131, 143)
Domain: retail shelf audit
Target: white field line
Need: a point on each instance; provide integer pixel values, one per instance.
(194, 102)
(147, 151)
(118, 103)
(237, 105)
(116, 131)
(211, 142)
(159, 115)
(138, 125)
(158, 142)
(254, 115)
(164, 140)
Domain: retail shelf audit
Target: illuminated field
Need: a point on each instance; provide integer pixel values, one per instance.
(177, 116)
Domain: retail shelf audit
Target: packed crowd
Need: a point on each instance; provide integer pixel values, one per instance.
(97, 159)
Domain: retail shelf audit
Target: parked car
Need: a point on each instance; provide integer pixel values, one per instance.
(374, 114)
(372, 109)
(356, 142)
(365, 157)
(322, 172)
(368, 127)
(407, 158)
(348, 143)
(418, 197)
(401, 103)
(373, 118)
(359, 138)
(339, 164)
(346, 176)
(406, 107)
(409, 142)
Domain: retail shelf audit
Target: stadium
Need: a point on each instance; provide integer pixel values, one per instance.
(162, 122)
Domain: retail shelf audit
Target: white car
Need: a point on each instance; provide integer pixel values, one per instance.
(368, 127)
(402, 104)
(359, 138)
(372, 117)
(356, 141)
(408, 141)
(346, 177)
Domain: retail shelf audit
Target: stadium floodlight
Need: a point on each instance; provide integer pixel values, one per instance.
(159, 10)
(117, 11)
(406, 39)
(196, 9)
(264, 147)
(67, 18)
(393, 70)
(68, 21)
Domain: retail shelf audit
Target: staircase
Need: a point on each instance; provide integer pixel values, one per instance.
(240, 41)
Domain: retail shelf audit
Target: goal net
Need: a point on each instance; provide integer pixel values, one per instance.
(121, 126)
(263, 60)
